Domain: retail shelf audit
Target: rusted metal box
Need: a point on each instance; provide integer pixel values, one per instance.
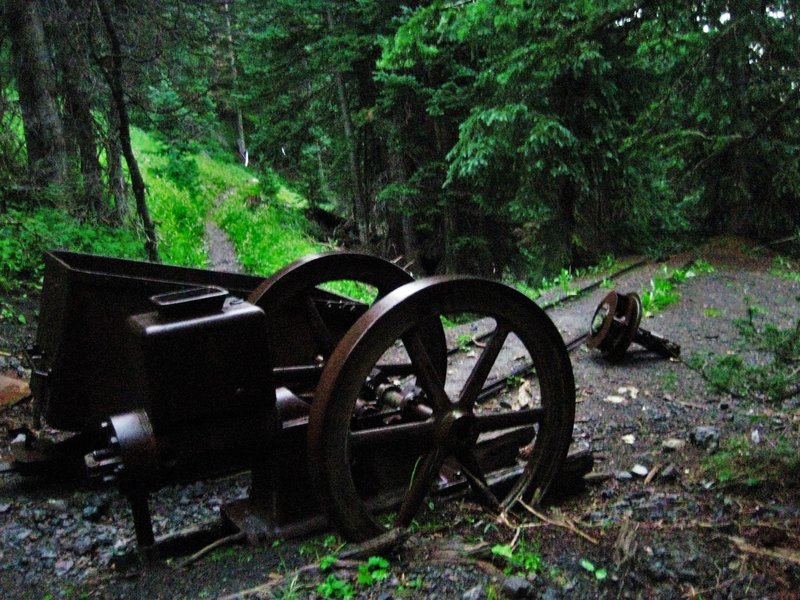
(200, 368)
(80, 370)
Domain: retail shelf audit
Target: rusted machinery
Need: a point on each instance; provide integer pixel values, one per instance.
(354, 409)
(615, 326)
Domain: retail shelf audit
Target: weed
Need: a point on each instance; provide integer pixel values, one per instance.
(712, 312)
(783, 267)
(662, 289)
(464, 342)
(599, 573)
(669, 381)
(375, 570)
(741, 462)
(524, 559)
(291, 591)
(771, 372)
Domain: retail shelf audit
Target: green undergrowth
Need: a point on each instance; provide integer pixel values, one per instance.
(662, 289)
(266, 236)
(761, 365)
(566, 280)
(741, 462)
(260, 214)
(25, 235)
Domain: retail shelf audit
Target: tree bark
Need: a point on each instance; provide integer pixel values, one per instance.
(360, 206)
(114, 79)
(73, 60)
(240, 140)
(44, 132)
(116, 176)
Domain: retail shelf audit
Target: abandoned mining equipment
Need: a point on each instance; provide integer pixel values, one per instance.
(344, 411)
(615, 326)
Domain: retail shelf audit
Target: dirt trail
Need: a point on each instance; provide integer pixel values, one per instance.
(221, 253)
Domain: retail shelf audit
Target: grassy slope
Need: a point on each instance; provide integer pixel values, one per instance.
(266, 236)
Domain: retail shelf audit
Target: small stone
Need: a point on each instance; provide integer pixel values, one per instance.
(672, 444)
(629, 439)
(57, 504)
(4, 508)
(83, 545)
(706, 437)
(669, 473)
(755, 436)
(640, 470)
(63, 566)
(615, 399)
(92, 512)
(623, 475)
(476, 593)
(518, 587)
(48, 553)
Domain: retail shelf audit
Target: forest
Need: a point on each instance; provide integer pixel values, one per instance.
(505, 138)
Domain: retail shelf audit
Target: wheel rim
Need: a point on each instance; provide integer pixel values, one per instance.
(451, 424)
(303, 335)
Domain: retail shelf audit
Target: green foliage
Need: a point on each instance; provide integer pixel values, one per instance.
(599, 573)
(524, 559)
(375, 570)
(741, 462)
(662, 290)
(266, 237)
(764, 365)
(24, 236)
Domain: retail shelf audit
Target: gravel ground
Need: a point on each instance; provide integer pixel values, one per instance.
(671, 532)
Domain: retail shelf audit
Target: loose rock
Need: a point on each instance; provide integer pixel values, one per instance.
(518, 587)
(706, 437)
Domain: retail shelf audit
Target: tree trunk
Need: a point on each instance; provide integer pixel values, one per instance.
(44, 132)
(116, 176)
(360, 205)
(73, 59)
(240, 141)
(114, 79)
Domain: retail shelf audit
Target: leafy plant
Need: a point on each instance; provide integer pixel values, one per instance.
(375, 570)
(522, 559)
(764, 365)
(599, 573)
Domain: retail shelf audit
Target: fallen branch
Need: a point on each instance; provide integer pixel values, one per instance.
(779, 553)
(563, 522)
(229, 539)
(311, 569)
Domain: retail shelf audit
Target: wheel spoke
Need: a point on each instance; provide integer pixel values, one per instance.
(317, 324)
(418, 435)
(482, 368)
(421, 481)
(427, 377)
(507, 420)
(474, 474)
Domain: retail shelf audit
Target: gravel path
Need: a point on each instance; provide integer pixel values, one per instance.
(672, 533)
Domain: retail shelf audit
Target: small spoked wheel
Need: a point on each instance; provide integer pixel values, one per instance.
(389, 425)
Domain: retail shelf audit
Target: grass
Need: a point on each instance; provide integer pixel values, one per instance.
(662, 289)
(763, 365)
(742, 463)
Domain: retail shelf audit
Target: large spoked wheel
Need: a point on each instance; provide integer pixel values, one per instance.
(306, 321)
(376, 452)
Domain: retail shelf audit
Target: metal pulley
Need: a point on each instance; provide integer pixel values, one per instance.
(615, 326)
